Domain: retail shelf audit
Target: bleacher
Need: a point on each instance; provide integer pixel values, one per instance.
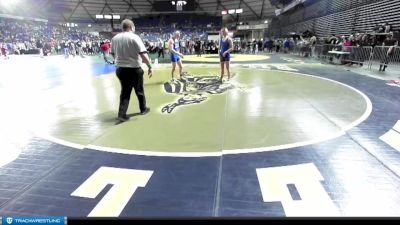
(382, 11)
(337, 16)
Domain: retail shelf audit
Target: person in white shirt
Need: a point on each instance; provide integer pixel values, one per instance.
(129, 52)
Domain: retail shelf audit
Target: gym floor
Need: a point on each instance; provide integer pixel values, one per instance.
(286, 136)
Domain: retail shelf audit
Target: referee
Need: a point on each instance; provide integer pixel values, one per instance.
(129, 51)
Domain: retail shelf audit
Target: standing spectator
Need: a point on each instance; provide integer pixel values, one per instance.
(392, 44)
(313, 43)
(260, 45)
(388, 28)
(4, 50)
(197, 47)
(105, 50)
(72, 48)
(286, 45)
(39, 46)
(160, 48)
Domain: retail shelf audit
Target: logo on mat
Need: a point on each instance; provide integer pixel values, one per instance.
(9, 220)
(194, 90)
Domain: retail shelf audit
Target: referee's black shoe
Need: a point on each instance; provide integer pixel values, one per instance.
(145, 111)
(123, 118)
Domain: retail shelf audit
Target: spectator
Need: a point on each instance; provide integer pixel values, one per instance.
(391, 44)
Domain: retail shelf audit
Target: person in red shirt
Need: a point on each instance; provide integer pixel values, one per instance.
(105, 46)
(4, 50)
(105, 50)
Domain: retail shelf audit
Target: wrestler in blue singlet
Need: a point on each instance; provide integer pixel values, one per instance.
(223, 48)
(175, 57)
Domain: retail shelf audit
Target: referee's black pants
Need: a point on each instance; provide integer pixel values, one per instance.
(130, 78)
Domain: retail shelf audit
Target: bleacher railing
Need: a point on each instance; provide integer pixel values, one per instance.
(379, 57)
(385, 56)
(358, 54)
